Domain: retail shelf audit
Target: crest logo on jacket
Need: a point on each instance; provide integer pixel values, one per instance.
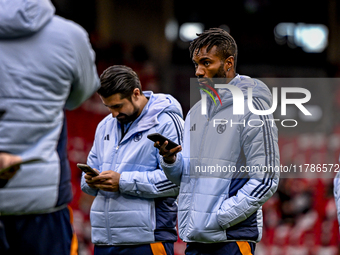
(137, 137)
(221, 128)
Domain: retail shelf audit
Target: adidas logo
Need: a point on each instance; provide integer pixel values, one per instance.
(107, 137)
(193, 128)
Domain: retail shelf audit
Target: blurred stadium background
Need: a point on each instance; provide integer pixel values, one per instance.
(276, 39)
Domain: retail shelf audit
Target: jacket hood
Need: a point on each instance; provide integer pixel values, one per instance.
(259, 90)
(23, 17)
(157, 104)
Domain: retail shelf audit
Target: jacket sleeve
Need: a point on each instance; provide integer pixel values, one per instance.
(92, 160)
(175, 170)
(337, 194)
(260, 147)
(86, 80)
(151, 184)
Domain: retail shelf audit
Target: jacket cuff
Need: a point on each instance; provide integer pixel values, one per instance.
(169, 165)
(173, 171)
(221, 223)
(126, 186)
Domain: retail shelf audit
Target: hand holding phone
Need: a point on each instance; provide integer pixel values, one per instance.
(156, 137)
(9, 171)
(87, 169)
(168, 151)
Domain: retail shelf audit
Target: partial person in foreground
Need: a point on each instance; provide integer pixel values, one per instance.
(47, 65)
(220, 211)
(134, 210)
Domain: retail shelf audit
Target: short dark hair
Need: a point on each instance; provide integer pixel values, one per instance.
(119, 79)
(225, 43)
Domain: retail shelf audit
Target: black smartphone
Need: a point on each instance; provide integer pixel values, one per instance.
(155, 137)
(87, 169)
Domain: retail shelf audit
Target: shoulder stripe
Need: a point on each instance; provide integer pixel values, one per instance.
(265, 180)
(178, 127)
(265, 189)
(271, 152)
(266, 183)
(266, 153)
(177, 119)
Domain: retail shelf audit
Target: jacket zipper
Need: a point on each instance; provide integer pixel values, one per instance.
(107, 203)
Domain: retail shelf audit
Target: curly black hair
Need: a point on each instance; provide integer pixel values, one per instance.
(225, 43)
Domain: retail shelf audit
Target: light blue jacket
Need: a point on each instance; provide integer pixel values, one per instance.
(46, 65)
(220, 198)
(144, 210)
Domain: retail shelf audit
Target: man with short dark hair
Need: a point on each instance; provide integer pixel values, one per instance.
(134, 211)
(220, 200)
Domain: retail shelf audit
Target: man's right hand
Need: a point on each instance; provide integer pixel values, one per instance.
(169, 156)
